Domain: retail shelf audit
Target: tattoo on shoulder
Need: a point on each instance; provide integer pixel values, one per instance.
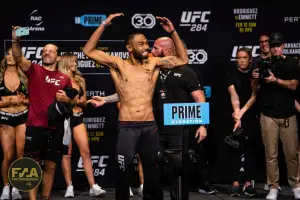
(168, 62)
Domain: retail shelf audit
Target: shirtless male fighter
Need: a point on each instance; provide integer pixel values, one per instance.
(135, 80)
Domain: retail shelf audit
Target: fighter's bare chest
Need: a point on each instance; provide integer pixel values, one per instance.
(136, 73)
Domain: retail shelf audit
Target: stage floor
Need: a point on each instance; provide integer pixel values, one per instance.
(286, 194)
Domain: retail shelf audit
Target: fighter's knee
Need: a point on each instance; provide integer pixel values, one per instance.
(85, 153)
(8, 157)
(20, 153)
(50, 166)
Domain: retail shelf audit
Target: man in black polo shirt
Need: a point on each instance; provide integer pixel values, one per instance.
(278, 117)
(179, 86)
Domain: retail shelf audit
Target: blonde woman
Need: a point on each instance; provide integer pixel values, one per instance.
(13, 115)
(243, 90)
(68, 65)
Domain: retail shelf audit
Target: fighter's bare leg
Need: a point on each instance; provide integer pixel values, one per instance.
(48, 178)
(8, 138)
(66, 165)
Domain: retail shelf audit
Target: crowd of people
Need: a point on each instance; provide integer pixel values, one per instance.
(261, 91)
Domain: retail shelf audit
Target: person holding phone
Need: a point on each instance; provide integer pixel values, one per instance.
(45, 85)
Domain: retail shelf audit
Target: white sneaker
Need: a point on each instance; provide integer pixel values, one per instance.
(296, 193)
(130, 192)
(272, 194)
(5, 192)
(266, 187)
(140, 190)
(15, 194)
(96, 191)
(69, 191)
(253, 183)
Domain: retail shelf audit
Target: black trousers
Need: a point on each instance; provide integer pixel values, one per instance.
(173, 161)
(242, 160)
(203, 165)
(142, 138)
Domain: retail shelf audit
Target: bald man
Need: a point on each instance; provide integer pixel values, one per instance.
(45, 85)
(179, 86)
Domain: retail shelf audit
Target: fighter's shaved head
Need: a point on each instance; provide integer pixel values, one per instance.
(163, 46)
(165, 42)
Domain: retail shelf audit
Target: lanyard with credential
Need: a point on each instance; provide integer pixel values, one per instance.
(162, 91)
(163, 77)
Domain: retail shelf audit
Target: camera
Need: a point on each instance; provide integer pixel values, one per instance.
(235, 138)
(265, 66)
(268, 65)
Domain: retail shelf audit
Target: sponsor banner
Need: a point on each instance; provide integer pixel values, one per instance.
(195, 21)
(36, 21)
(89, 20)
(143, 21)
(291, 19)
(245, 19)
(99, 163)
(186, 113)
(254, 51)
(197, 56)
(32, 50)
(292, 49)
(207, 91)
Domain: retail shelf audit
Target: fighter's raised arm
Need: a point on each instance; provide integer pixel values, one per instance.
(97, 55)
(181, 58)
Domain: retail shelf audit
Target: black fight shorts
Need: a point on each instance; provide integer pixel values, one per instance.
(13, 119)
(41, 144)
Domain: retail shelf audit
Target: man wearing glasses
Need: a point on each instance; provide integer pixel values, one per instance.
(264, 49)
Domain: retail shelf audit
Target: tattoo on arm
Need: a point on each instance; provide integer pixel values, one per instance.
(168, 62)
(165, 62)
(112, 98)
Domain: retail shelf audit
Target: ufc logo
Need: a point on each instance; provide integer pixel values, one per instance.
(99, 160)
(52, 80)
(254, 51)
(192, 16)
(121, 161)
(36, 52)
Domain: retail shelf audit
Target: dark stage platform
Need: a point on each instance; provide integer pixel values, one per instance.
(286, 193)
